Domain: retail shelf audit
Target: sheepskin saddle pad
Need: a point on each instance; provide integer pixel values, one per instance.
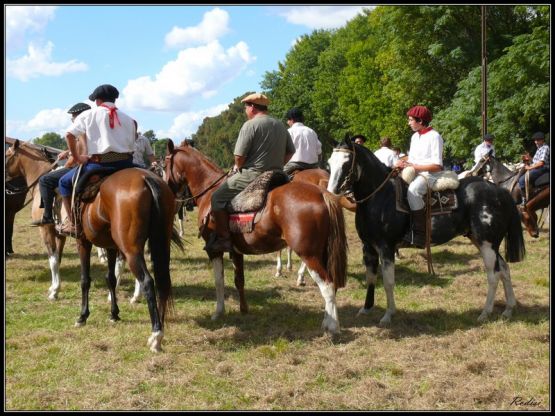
(245, 206)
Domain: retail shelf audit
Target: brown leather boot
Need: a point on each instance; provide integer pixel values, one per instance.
(220, 240)
(416, 236)
(67, 228)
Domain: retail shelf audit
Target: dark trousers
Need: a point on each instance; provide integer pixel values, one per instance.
(47, 187)
(534, 174)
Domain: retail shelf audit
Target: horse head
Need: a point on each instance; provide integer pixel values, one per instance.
(12, 165)
(341, 164)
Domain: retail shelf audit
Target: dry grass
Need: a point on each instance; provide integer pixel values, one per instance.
(434, 356)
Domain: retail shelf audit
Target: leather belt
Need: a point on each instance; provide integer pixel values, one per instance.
(110, 157)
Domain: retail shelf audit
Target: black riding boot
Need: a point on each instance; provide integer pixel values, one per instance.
(416, 236)
(220, 241)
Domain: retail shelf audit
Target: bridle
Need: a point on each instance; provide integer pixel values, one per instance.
(194, 197)
(348, 182)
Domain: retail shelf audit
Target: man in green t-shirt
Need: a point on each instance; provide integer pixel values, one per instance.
(263, 144)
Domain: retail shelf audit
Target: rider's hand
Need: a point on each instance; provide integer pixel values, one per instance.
(63, 155)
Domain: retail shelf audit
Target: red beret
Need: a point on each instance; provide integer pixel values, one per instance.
(421, 112)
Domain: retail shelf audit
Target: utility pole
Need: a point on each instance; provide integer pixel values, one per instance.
(484, 75)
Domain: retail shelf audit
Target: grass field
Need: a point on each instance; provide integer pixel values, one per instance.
(434, 355)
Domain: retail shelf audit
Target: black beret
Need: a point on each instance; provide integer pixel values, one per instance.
(294, 114)
(488, 136)
(538, 136)
(79, 108)
(105, 92)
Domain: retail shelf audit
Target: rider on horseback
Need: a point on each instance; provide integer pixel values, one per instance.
(263, 144)
(110, 136)
(308, 148)
(539, 166)
(426, 157)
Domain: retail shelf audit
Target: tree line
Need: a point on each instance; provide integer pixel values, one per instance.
(363, 77)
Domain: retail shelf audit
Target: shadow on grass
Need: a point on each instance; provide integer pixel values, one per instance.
(270, 318)
(68, 274)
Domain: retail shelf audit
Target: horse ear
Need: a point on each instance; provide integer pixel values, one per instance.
(334, 143)
(16, 144)
(169, 147)
(347, 139)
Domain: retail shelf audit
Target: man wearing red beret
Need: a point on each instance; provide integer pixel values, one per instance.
(426, 157)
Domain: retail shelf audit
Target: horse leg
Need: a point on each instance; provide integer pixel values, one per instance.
(118, 271)
(493, 270)
(387, 257)
(238, 266)
(84, 247)
(327, 289)
(510, 299)
(371, 260)
(300, 275)
(111, 255)
(54, 248)
(137, 265)
(218, 267)
(278, 266)
(101, 255)
(289, 265)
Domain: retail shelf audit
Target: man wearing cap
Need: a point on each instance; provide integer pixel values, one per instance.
(426, 157)
(142, 149)
(263, 144)
(49, 182)
(359, 139)
(308, 148)
(484, 148)
(386, 154)
(539, 165)
(110, 142)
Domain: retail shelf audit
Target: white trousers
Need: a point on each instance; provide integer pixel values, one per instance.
(418, 189)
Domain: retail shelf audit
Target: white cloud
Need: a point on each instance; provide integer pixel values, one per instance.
(38, 62)
(196, 73)
(321, 17)
(214, 24)
(45, 121)
(22, 19)
(185, 124)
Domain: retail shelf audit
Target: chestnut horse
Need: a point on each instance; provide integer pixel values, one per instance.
(298, 215)
(132, 206)
(31, 162)
(318, 177)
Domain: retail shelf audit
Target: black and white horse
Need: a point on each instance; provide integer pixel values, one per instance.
(485, 213)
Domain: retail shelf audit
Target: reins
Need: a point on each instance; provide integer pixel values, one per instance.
(351, 172)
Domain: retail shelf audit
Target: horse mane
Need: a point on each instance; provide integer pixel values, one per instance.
(201, 155)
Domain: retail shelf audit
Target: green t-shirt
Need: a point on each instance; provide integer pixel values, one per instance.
(264, 141)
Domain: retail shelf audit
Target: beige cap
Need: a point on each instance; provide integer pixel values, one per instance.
(256, 98)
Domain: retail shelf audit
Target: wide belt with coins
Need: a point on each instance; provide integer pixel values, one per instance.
(110, 157)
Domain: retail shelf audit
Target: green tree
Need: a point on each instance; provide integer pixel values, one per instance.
(150, 135)
(159, 147)
(51, 139)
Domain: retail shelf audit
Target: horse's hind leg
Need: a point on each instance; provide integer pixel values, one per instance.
(494, 265)
(300, 275)
(111, 255)
(371, 260)
(218, 267)
(279, 267)
(238, 266)
(137, 265)
(84, 247)
(327, 289)
(388, 275)
(510, 299)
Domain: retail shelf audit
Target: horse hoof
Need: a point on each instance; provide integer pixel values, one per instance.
(115, 320)
(301, 283)
(53, 296)
(79, 324)
(483, 317)
(216, 316)
(363, 311)
(507, 315)
(154, 342)
(134, 300)
(278, 274)
(384, 322)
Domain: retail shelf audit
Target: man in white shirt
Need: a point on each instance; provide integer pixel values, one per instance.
(484, 148)
(386, 154)
(426, 157)
(308, 149)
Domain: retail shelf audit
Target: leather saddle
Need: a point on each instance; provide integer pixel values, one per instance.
(88, 185)
(441, 202)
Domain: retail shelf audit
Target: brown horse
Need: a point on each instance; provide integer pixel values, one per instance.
(132, 206)
(528, 212)
(297, 215)
(320, 178)
(31, 162)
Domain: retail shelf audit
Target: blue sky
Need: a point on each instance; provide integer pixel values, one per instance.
(173, 65)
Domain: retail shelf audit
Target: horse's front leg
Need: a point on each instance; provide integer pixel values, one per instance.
(238, 266)
(279, 267)
(111, 256)
(84, 247)
(387, 257)
(218, 267)
(50, 241)
(371, 260)
(300, 275)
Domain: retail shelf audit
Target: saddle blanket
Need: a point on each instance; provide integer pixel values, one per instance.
(242, 223)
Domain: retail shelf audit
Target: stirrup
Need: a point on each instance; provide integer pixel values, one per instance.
(67, 228)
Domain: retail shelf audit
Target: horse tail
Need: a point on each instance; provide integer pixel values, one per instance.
(514, 240)
(159, 244)
(336, 246)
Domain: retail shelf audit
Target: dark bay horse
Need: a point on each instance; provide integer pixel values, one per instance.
(15, 194)
(31, 162)
(297, 215)
(485, 213)
(132, 206)
(508, 179)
